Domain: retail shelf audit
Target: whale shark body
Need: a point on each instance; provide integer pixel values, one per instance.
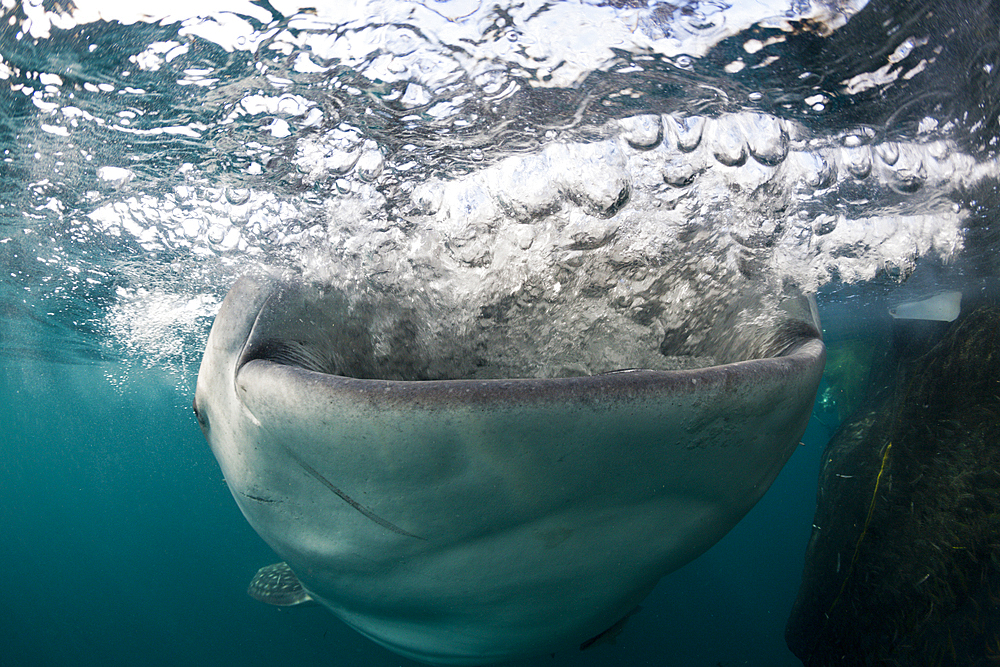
(472, 521)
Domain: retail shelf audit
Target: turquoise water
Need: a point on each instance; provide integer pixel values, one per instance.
(455, 152)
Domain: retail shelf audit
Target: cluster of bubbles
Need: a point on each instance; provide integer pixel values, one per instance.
(623, 184)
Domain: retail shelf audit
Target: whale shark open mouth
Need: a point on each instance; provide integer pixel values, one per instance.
(460, 515)
(323, 329)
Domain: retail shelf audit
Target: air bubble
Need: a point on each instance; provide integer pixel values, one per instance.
(216, 233)
(192, 228)
(909, 174)
(524, 187)
(237, 196)
(728, 144)
(594, 177)
(858, 161)
(888, 152)
(817, 172)
(679, 174)
(860, 137)
(642, 132)
(427, 198)
(687, 130)
(369, 165)
(767, 138)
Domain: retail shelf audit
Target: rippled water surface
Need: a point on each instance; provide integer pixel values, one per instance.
(599, 177)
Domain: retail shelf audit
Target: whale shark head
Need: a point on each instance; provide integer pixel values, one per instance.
(458, 517)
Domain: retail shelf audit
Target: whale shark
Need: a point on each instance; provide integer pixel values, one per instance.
(463, 521)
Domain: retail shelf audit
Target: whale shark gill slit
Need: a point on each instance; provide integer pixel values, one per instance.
(259, 499)
(350, 501)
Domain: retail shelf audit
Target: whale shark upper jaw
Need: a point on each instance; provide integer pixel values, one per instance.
(474, 521)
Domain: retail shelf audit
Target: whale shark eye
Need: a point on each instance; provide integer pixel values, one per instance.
(199, 414)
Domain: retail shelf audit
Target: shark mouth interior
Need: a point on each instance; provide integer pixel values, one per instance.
(376, 335)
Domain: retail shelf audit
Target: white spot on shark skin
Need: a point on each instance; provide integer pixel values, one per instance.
(942, 307)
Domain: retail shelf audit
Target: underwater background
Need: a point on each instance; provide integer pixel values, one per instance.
(150, 156)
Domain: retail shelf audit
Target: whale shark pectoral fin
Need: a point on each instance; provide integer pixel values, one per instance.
(276, 584)
(611, 634)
